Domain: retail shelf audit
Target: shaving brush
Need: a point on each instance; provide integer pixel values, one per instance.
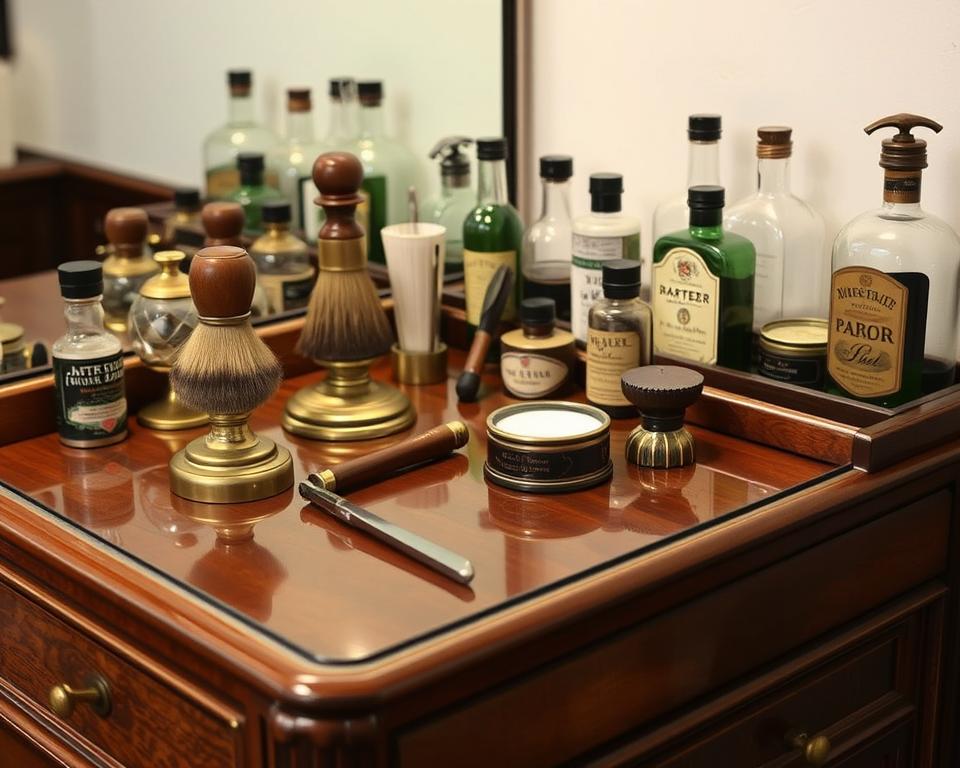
(346, 327)
(225, 370)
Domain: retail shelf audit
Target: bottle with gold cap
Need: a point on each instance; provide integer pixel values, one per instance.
(793, 271)
(894, 291)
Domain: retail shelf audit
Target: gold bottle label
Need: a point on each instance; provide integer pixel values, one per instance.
(686, 307)
(222, 181)
(609, 355)
(528, 375)
(478, 269)
(868, 311)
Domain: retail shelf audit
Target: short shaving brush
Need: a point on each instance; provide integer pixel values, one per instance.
(225, 370)
(346, 328)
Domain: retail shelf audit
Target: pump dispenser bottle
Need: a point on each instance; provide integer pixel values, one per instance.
(457, 197)
(895, 286)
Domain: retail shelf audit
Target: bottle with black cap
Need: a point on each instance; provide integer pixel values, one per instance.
(604, 234)
(253, 191)
(87, 364)
(546, 245)
(619, 337)
(536, 360)
(703, 167)
(283, 263)
(292, 160)
(457, 196)
(703, 287)
(492, 232)
(389, 168)
(894, 289)
(183, 225)
(241, 133)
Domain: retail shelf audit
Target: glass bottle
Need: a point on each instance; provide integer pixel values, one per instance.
(87, 364)
(241, 133)
(547, 243)
(602, 235)
(536, 360)
(894, 290)
(282, 260)
(292, 160)
(703, 168)
(457, 197)
(492, 232)
(253, 191)
(792, 277)
(703, 287)
(389, 169)
(618, 337)
(185, 218)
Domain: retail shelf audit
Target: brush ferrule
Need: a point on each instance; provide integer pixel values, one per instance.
(342, 255)
(235, 320)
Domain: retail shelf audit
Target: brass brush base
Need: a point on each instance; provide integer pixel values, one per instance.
(169, 413)
(230, 464)
(348, 405)
(660, 450)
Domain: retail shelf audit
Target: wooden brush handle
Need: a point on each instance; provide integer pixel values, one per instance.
(222, 280)
(432, 444)
(338, 176)
(126, 228)
(469, 381)
(223, 223)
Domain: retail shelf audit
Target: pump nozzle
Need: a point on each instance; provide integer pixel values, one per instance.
(454, 163)
(904, 151)
(452, 144)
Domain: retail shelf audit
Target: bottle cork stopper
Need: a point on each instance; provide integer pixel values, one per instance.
(222, 281)
(126, 230)
(338, 176)
(223, 222)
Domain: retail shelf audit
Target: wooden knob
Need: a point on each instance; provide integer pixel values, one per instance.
(126, 228)
(223, 223)
(338, 176)
(222, 281)
(661, 393)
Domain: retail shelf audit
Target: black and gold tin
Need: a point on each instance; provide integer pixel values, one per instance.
(794, 350)
(548, 446)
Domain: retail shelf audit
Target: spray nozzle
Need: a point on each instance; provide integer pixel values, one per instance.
(454, 161)
(904, 151)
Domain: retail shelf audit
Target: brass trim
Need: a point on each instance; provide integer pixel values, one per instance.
(419, 367)
(342, 255)
(235, 320)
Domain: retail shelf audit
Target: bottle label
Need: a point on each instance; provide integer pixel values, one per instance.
(610, 354)
(478, 269)
(586, 273)
(91, 404)
(311, 214)
(686, 307)
(901, 186)
(868, 329)
(286, 292)
(222, 181)
(528, 375)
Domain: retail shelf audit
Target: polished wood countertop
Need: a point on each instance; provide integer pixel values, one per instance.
(333, 594)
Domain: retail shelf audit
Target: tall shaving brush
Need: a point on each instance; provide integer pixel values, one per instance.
(225, 370)
(346, 329)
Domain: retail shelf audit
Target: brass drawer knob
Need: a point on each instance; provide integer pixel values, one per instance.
(63, 698)
(815, 749)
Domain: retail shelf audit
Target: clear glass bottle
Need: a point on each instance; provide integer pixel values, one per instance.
(536, 360)
(547, 243)
(283, 263)
(602, 235)
(619, 337)
(87, 364)
(895, 287)
(389, 169)
(703, 168)
(703, 287)
(241, 133)
(492, 233)
(253, 192)
(292, 160)
(457, 196)
(792, 278)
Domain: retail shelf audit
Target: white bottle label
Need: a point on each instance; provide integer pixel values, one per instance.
(686, 307)
(529, 375)
(586, 276)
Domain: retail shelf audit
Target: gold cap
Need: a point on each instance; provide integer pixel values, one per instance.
(10, 333)
(171, 283)
(773, 142)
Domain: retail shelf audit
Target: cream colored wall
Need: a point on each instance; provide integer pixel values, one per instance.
(136, 84)
(614, 80)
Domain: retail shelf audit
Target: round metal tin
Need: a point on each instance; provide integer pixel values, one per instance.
(794, 350)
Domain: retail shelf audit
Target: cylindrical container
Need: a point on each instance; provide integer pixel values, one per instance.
(536, 360)
(14, 356)
(794, 350)
(550, 446)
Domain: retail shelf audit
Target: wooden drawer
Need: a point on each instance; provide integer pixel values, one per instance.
(148, 723)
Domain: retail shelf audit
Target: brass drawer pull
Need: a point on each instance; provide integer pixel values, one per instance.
(63, 697)
(815, 749)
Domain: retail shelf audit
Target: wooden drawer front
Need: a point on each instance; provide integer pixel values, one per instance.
(572, 706)
(149, 723)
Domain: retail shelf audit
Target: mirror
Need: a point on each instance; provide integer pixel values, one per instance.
(143, 118)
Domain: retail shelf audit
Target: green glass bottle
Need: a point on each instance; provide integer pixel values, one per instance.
(703, 287)
(492, 232)
(252, 192)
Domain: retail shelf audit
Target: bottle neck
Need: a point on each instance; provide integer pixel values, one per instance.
(773, 176)
(251, 178)
(241, 110)
(556, 199)
(901, 189)
(537, 331)
(706, 224)
(343, 120)
(276, 228)
(371, 121)
(492, 182)
(450, 182)
(300, 127)
(83, 315)
(703, 163)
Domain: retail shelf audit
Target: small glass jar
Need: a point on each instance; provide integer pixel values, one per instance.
(283, 262)
(163, 315)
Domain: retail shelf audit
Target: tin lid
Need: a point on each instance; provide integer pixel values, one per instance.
(800, 334)
(10, 333)
(547, 422)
